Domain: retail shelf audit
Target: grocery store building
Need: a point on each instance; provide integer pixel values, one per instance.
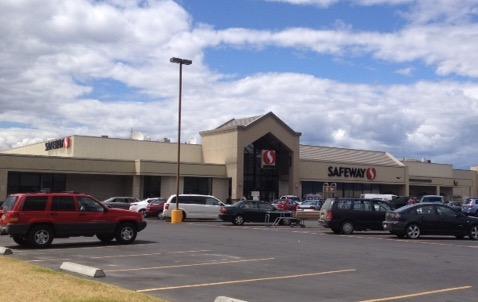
(242, 157)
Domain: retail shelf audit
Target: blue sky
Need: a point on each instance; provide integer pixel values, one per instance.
(392, 75)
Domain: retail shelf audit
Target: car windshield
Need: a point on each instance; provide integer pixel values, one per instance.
(9, 203)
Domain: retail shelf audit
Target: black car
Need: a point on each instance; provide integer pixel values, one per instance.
(399, 201)
(346, 215)
(251, 211)
(430, 219)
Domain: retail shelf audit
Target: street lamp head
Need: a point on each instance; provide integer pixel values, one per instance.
(180, 61)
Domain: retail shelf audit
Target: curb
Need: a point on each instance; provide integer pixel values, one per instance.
(5, 251)
(82, 269)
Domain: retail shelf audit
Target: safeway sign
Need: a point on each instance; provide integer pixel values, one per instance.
(268, 158)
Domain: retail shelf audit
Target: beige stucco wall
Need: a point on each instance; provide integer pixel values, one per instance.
(115, 148)
(220, 148)
(423, 169)
(168, 186)
(220, 188)
(186, 169)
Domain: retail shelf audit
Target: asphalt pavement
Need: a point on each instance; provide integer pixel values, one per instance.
(200, 260)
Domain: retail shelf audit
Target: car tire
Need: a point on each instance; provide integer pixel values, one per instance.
(20, 240)
(335, 230)
(125, 233)
(238, 220)
(40, 236)
(413, 231)
(105, 238)
(347, 228)
(473, 232)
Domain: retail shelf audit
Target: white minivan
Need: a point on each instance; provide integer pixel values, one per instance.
(382, 197)
(194, 206)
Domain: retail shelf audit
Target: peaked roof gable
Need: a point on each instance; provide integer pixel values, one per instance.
(247, 122)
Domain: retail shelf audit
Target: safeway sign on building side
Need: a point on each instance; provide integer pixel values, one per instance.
(268, 158)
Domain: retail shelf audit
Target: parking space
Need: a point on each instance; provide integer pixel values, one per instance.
(200, 260)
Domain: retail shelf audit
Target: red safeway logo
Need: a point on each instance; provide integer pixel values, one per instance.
(371, 173)
(269, 157)
(67, 142)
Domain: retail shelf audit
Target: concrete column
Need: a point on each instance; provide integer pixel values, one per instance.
(137, 189)
(3, 184)
(168, 186)
(437, 190)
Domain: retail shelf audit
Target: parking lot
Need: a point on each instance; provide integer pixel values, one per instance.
(199, 260)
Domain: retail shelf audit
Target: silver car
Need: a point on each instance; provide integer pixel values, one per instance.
(470, 206)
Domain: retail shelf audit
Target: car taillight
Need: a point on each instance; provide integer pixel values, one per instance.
(223, 210)
(12, 218)
(329, 216)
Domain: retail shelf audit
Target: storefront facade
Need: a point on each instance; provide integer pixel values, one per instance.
(240, 158)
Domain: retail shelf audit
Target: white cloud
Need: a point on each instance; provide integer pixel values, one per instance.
(408, 71)
(321, 3)
(50, 49)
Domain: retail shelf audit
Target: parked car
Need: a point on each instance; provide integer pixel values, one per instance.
(120, 202)
(194, 206)
(455, 205)
(36, 218)
(430, 218)
(470, 206)
(251, 211)
(290, 197)
(432, 198)
(399, 201)
(286, 205)
(141, 206)
(155, 208)
(346, 215)
(311, 204)
(382, 197)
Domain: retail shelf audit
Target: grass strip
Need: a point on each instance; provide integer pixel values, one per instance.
(22, 281)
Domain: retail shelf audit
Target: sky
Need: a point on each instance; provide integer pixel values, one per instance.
(392, 75)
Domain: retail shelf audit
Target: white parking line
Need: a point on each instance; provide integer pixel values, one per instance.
(141, 255)
(431, 292)
(188, 265)
(122, 256)
(245, 281)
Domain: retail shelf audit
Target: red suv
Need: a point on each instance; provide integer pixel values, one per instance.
(36, 218)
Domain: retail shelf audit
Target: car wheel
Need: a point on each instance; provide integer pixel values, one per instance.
(347, 228)
(474, 232)
(40, 236)
(335, 230)
(125, 233)
(238, 220)
(20, 240)
(105, 238)
(413, 231)
(142, 212)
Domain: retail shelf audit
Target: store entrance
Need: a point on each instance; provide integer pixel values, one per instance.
(261, 177)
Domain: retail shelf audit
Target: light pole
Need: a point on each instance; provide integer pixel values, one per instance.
(177, 215)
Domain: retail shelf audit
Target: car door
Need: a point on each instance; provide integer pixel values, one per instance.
(449, 222)
(93, 217)
(65, 215)
(380, 208)
(251, 212)
(363, 214)
(427, 218)
(212, 207)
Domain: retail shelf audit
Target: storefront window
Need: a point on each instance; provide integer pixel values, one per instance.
(152, 186)
(22, 182)
(198, 185)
